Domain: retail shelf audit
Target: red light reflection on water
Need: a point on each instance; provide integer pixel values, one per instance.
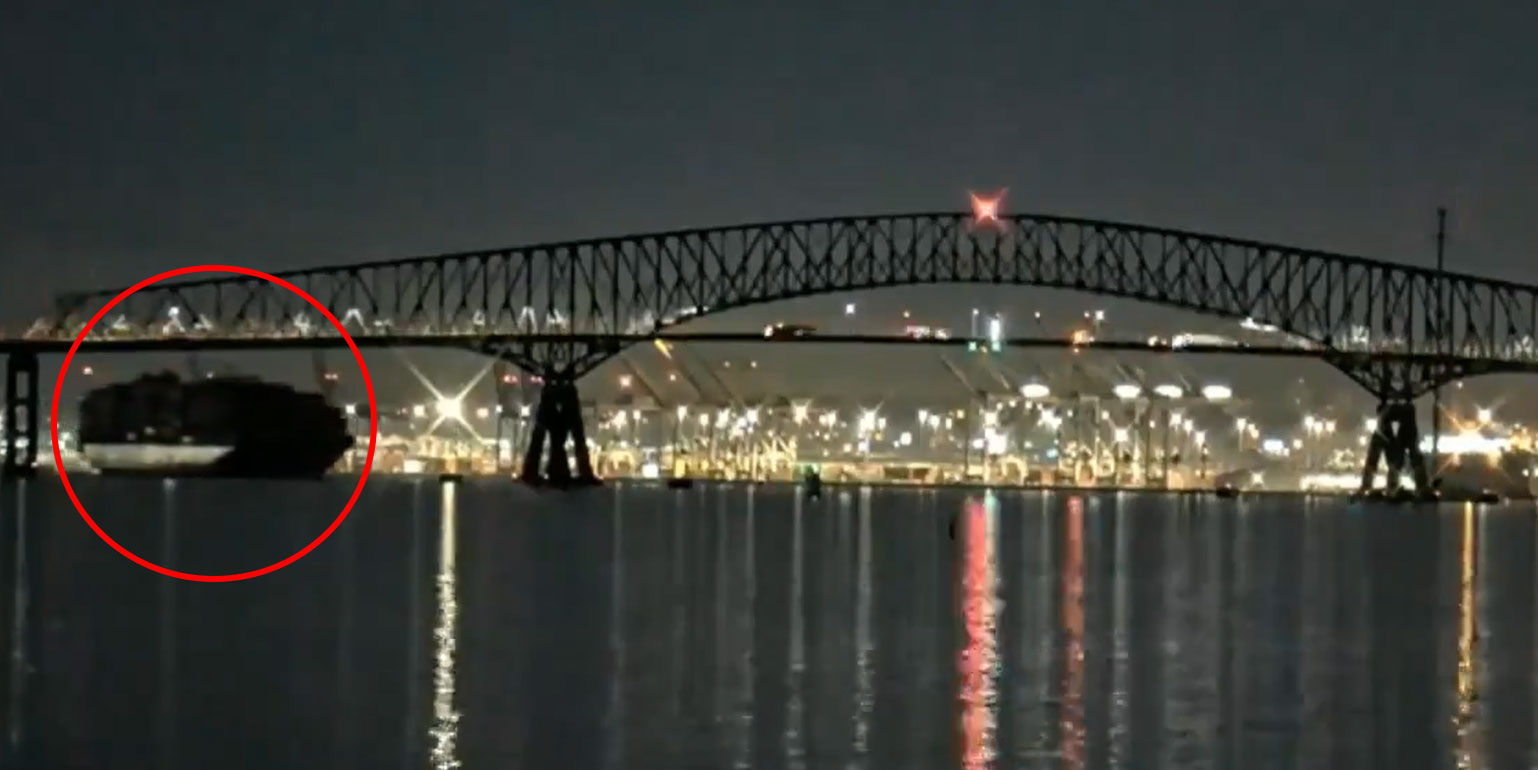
(978, 664)
(1072, 732)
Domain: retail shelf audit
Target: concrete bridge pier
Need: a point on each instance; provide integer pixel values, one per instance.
(1396, 443)
(557, 420)
(21, 416)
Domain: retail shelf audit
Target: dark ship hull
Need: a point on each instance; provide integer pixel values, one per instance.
(227, 427)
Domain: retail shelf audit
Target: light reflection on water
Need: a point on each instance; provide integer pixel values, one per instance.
(445, 728)
(1072, 739)
(482, 625)
(978, 662)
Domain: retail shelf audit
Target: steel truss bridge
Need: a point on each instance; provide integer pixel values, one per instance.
(559, 310)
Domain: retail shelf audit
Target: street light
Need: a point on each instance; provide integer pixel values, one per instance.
(1217, 392)
(1035, 390)
(1170, 391)
(1484, 414)
(451, 408)
(1127, 391)
(867, 421)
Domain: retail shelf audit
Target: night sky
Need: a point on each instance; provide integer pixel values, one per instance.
(139, 137)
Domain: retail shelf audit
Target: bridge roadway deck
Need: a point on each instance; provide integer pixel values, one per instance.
(489, 342)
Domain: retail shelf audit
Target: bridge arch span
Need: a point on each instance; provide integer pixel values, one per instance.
(603, 286)
(596, 287)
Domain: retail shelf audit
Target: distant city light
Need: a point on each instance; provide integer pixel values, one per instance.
(1035, 390)
(849, 309)
(418, 410)
(1217, 392)
(624, 380)
(867, 421)
(1467, 443)
(1484, 414)
(350, 409)
(1050, 419)
(451, 408)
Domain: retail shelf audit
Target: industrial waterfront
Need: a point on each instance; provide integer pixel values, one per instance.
(1090, 420)
(481, 623)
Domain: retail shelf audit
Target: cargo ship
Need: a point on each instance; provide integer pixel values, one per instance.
(160, 425)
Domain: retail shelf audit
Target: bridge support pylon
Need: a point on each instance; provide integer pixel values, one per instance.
(21, 416)
(557, 420)
(1395, 442)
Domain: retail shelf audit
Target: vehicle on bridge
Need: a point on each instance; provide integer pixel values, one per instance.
(785, 331)
(224, 426)
(1206, 340)
(923, 332)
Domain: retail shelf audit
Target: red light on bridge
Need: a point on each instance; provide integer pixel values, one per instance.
(985, 209)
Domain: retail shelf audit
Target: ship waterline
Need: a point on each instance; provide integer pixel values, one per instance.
(147, 458)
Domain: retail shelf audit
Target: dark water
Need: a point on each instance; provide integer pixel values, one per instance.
(635, 627)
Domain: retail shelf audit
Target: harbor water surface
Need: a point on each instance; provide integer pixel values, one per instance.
(485, 625)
